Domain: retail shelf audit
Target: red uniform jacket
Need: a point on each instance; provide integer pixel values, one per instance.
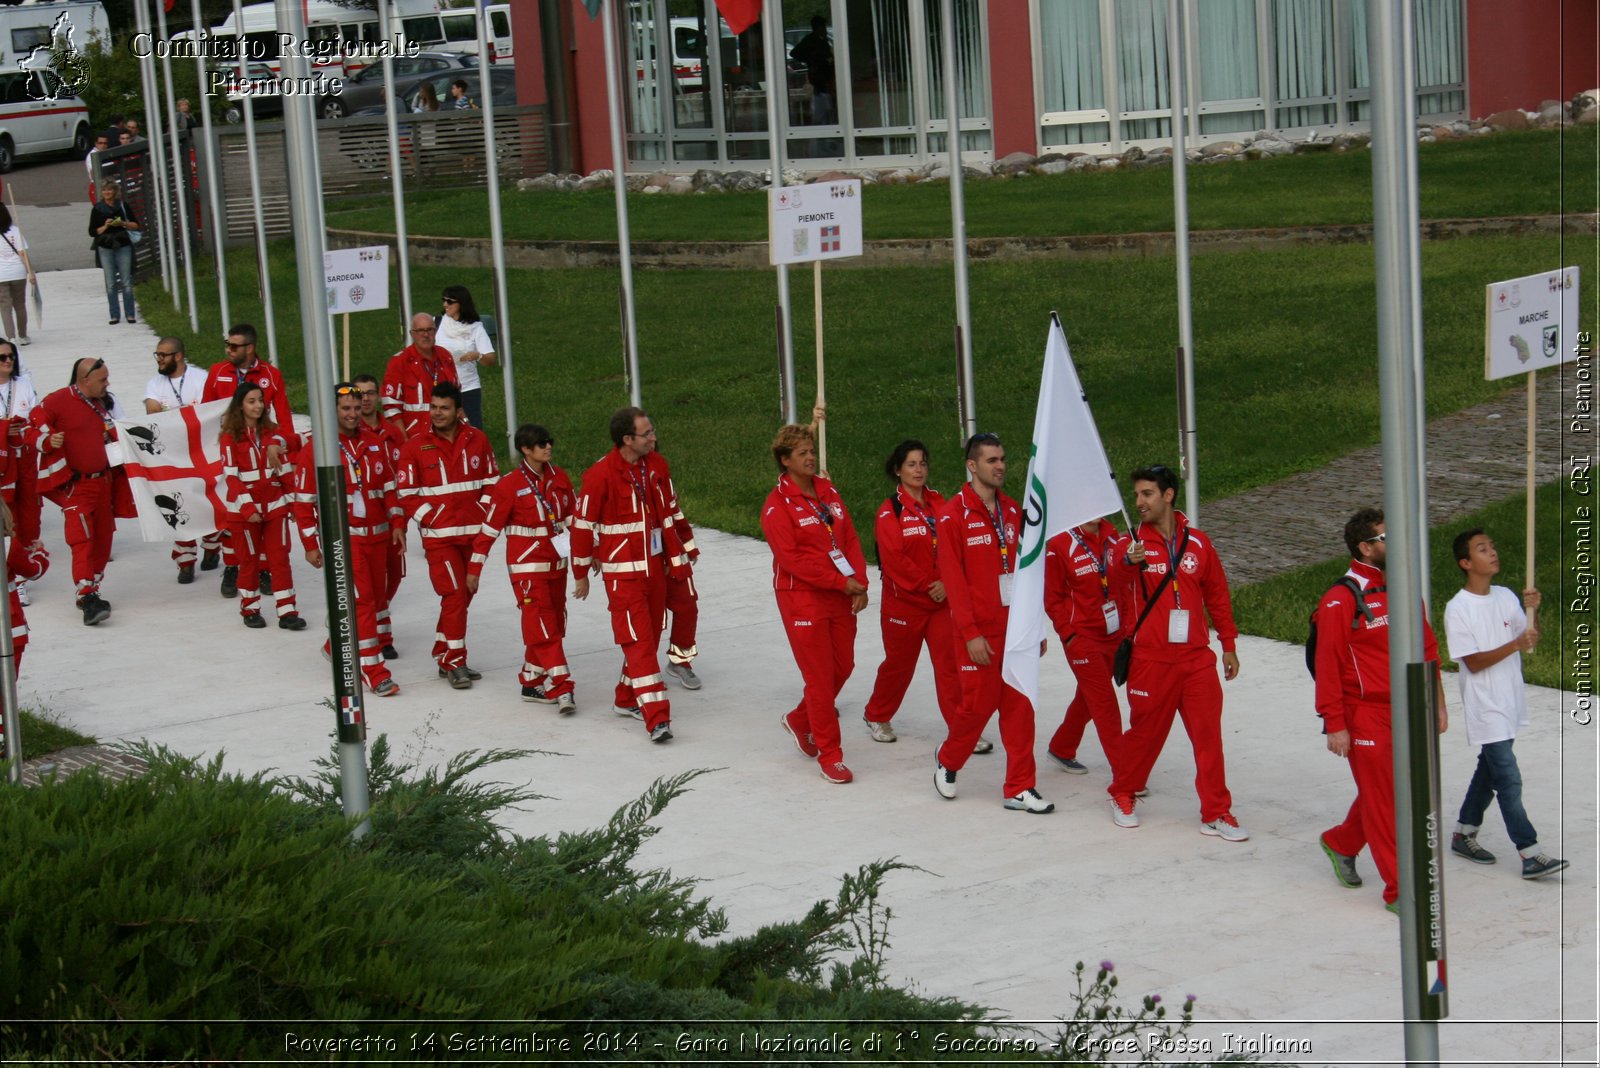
(1080, 580)
(408, 384)
(1200, 581)
(222, 381)
(443, 483)
(250, 487)
(394, 439)
(19, 477)
(370, 500)
(529, 510)
(82, 453)
(971, 561)
(1353, 660)
(908, 543)
(618, 507)
(802, 531)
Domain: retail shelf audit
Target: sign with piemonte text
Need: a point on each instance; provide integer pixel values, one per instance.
(357, 279)
(814, 222)
(1530, 323)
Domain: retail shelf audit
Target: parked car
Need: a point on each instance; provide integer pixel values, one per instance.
(266, 106)
(33, 124)
(439, 135)
(365, 90)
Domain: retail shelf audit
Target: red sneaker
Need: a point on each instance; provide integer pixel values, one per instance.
(837, 773)
(801, 736)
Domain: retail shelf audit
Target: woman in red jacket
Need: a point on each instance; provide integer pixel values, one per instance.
(820, 577)
(255, 497)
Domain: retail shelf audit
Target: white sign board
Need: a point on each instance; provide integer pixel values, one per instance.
(357, 279)
(814, 222)
(1531, 323)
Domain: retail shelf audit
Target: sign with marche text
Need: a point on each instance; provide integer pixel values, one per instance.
(814, 222)
(1530, 323)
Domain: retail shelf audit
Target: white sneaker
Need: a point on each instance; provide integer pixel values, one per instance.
(881, 732)
(566, 705)
(684, 674)
(1029, 801)
(984, 746)
(662, 733)
(628, 713)
(944, 780)
(1226, 828)
(24, 340)
(23, 597)
(1122, 813)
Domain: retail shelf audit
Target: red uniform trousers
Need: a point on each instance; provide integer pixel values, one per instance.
(19, 626)
(185, 553)
(906, 628)
(683, 601)
(638, 614)
(543, 602)
(1186, 685)
(264, 542)
(983, 691)
(89, 517)
(396, 572)
(1370, 821)
(1096, 700)
(822, 635)
(369, 567)
(447, 567)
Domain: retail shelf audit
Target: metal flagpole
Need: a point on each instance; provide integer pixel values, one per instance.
(305, 200)
(497, 227)
(212, 194)
(263, 265)
(777, 75)
(1177, 74)
(619, 181)
(180, 173)
(397, 183)
(156, 190)
(958, 225)
(1390, 36)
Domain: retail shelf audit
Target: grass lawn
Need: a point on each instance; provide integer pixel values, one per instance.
(44, 733)
(1524, 173)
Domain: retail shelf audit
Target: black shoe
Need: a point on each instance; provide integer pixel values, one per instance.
(254, 621)
(210, 560)
(390, 652)
(266, 584)
(113, 322)
(1466, 845)
(131, 319)
(1537, 867)
(230, 582)
(292, 621)
(94, 610)
(185, 574)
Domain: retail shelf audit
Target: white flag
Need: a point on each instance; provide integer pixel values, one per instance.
(1069, 482)
(173, 463)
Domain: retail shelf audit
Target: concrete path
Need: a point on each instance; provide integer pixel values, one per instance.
(1006, 903)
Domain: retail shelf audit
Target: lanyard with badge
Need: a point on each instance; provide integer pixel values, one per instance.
(825, 514)
(932, 524)
(177, 390)
(105, 416)
(1008, 577)
(560, 539)
(641, 483)
(358, 503)
(1108, 607)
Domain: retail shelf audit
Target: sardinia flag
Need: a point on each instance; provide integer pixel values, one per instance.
(173, 463)
(1069, 482)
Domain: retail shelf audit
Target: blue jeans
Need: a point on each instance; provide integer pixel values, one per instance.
(117, 263)
(1498, 774)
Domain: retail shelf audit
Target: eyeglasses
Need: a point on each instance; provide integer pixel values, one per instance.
(451, 300)
(231, 345)
(8, 356)
(160, 354)
(545, 444)
(346, 390)
(985, 439)
(647, 434)
(367, 392)
(1377, 537)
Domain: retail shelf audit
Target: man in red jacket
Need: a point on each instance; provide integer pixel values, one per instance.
(1090, 615)
(393, 440)
(1174, 671)
(977, 562)
(412, 373)
(444, 475)
(629, 526)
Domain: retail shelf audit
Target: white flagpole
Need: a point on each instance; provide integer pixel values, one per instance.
(777, 75)
(156, 190)
(259, 219)
(397, 181)
(1177, 74)
(958, 225)
(213, 197)
(497, 243)
(619, 181)
(180, 173)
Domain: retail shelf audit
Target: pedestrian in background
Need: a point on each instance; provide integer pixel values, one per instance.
(16, 273)
(113, 227)
(460, 332)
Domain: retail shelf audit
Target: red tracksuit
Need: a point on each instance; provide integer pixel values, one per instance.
(256, 500)
(802, 531)
(683, 600)
(372, 507)
(530, 509)
(627, 526)
(1090, 615)
(92, 494)
(222, 381)
(976, 551)
(442, 481)
(393, 441)
(908, 540)
(1170, 677)
(19, 486)
(1353, 695)
(408, 384)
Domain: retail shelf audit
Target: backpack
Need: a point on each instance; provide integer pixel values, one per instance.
(1362, 612)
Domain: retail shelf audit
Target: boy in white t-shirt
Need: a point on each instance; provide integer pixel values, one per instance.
(1488, 630)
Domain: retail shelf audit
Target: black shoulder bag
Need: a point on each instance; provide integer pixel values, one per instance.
(1119, 665)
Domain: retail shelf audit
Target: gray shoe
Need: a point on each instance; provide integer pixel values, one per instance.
(459, 679)
(684, 674)
(984, 746)
(1466, 845)
(1344, 868)
(662, 733)
(1067, 764)
(1538, 866)
(386, 688)
(881, 732)
(630, 712)
(566, 705)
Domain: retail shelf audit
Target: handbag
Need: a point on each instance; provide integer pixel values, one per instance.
(1124, 656)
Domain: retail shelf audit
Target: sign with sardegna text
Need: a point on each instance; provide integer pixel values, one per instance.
(357, 279)
(814, 222)
(1530, 323)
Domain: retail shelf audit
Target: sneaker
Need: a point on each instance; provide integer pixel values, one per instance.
(837, 773)
(1067, 764)
(185, 574)
(1466, 845)
(944, 780)
(630, 712)
(113, 322)
(386, 688)
(131, 319)
(802, 739)
(24, 340)
(1029, 801)
(1122, 813)
(536, 695)
(254, 621)
(1226, 828)
(984, 746)
(1539, 865)
(459, 679)
(23, 597)
(1394, 907)
(684, 674)
(1143, 792)
(265, 584)
(1344, 868)
(291, 621)
(566, 705)
(472, 673)
(327, 654)
(662, 733)
(230, 582)
(881, 732)
(210, 560)
(94, 610)
(390, 652)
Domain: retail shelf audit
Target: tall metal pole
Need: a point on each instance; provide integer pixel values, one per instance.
(180, 175)
(958, 224)
(619, 176)
(263, 264)
(1390, 37)
(1178, 76)
(397, 182)
(213, 197)
(497, 243)
(158, 159)
(777, 75)
(305, 200)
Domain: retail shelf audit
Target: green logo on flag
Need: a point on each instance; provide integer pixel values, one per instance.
(1035, 508)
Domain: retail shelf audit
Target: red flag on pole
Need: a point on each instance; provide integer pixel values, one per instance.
(740, 15)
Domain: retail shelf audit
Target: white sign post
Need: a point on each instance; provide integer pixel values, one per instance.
(357, 279)
(1530, 323)
(815, 223)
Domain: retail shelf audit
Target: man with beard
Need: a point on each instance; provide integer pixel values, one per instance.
(176, 385)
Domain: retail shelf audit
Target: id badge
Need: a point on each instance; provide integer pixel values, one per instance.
(841, 563)
(1007, 581)
(1113, 620)
(1178, 626)
(655, 542)
(562, 544)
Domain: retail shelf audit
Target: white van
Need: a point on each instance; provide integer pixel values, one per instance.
(32, 124)
(499, 32)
